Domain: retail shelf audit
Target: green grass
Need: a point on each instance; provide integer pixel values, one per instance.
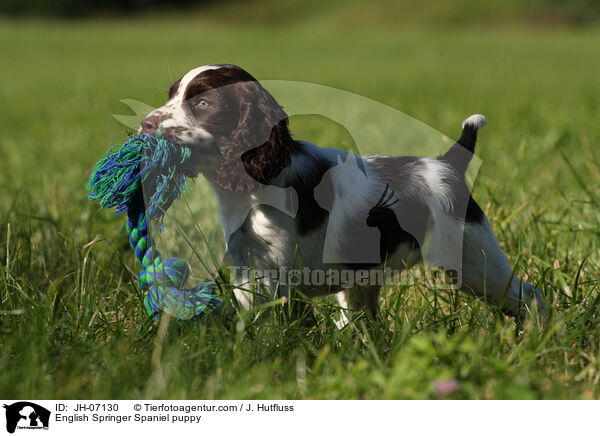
(71, 319)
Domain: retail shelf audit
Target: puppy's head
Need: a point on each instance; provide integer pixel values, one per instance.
(237, 131)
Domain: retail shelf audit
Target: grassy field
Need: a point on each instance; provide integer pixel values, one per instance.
(71, 319)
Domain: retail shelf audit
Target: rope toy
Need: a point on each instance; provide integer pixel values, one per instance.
(150, 165)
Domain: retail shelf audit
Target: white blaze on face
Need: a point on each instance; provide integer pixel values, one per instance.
(185, 81)
(175, 116)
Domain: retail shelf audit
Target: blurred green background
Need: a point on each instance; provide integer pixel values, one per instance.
(79, 330)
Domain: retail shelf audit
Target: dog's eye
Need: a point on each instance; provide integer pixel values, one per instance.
(200, 103)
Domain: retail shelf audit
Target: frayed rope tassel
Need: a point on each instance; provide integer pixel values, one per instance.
(152, 163)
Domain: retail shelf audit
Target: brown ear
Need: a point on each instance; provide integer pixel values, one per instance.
(261, 145)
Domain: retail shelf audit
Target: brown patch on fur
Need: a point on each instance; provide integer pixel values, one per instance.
(173, 88)
(250, 127)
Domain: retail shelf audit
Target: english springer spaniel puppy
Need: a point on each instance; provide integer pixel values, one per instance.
(335, 219)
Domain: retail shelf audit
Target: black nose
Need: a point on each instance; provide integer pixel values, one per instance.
(149, 125)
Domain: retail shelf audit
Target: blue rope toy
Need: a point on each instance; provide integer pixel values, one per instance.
(160, 168)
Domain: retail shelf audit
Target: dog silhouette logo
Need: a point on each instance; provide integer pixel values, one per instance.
(342, 189)
(26, 415)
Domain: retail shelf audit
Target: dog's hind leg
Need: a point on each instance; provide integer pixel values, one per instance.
(487, 273)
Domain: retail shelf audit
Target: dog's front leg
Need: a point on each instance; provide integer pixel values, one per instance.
(364, 298)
